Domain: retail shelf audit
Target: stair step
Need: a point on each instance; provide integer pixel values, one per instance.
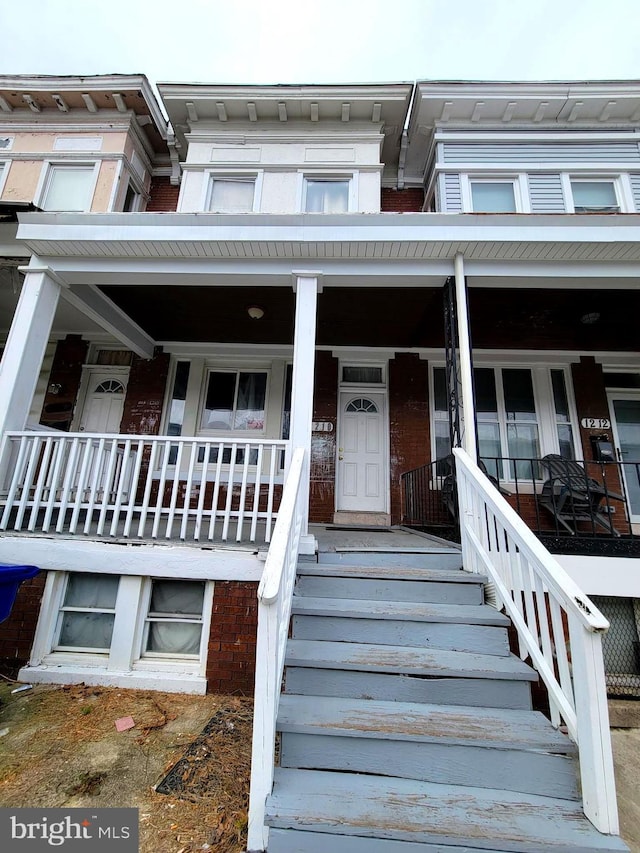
(438, 558)
(412, 573)
(511, 750)
(385, 589)
(482, 614)
(371, 657)
(365, 806)
(294, 841)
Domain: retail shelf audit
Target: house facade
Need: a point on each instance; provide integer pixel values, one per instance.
(192, 300)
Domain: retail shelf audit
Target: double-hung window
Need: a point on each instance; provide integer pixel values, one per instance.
(173, 624)
(231, 194)
(594, 196)
(86, 617)
(235, 400)
(68, 188)
(493, 195)
(326, 195)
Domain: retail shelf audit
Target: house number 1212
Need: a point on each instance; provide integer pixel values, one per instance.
(595, 423)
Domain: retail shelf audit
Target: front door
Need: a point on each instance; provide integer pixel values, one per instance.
(361, 464)
(104, 402)
(626, 424)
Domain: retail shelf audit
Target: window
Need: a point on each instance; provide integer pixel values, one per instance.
(173, 625)
(597, 196)
(4, 170)
(234, 400)
(231, 195)
(87, 614)
(521, 414)
(68, 188)
(132, 199)
(493, 196)
(362, 374)
(326, 196)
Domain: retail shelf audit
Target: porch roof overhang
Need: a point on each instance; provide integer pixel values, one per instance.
(144, 248)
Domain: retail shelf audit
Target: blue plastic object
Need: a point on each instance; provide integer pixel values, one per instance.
(10, 579)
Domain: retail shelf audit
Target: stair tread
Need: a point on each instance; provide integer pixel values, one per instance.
(408, 810)
(405, 659)
(479, 614)
(390, 573)
(450, 724)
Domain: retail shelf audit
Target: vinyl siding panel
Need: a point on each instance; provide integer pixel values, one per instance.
(635, 187)
(541, 152)
(451, 192)
(545, 194)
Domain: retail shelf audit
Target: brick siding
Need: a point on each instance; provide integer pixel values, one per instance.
(323, 444)
(163, 196)
(66, 371)
(401, 201)
(17, 632)
(145, 395)
(231, 660)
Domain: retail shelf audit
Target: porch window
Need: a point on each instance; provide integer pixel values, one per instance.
(594, 196)
(326, 196)
(87, 614)
(231, 195)
(493, 196)
(235, 401)
(173, 625)
(68, 188)
(563, 417)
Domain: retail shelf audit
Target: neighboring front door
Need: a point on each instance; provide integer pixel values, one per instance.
(626, 424)
(104, 402)
(361, 464)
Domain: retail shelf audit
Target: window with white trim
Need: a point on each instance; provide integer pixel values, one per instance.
(493, 195)
(174, 619)
(4, 169)
(68, 188)
(231, 194)
(132, 199)
(234, 400)
(522, 414)
(86, 617)
(326, 195)
(595, 195)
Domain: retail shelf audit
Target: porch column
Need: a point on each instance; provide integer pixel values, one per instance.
(464, 350)
(304, 346)
(26, 346)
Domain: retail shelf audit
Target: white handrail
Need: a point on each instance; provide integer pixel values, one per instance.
(275, 592)
(141, 486)
(558, 627)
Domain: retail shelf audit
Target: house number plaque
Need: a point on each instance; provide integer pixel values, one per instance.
(595, 423)
(322, 426)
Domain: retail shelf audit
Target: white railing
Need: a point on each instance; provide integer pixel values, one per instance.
(144, 487)
(274, 612)
(558, 627)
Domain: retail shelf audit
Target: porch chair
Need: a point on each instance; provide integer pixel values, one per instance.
(449, 491)
(570, 495)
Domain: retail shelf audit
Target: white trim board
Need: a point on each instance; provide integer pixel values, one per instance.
(618, 576)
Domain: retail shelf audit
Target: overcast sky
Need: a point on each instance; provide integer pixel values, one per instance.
(316, 41)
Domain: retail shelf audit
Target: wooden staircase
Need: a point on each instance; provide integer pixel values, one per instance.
(406, 724)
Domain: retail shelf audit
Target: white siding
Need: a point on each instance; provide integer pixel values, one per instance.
(494, 153)
(635, 187)
(451, 193)
(545, 194)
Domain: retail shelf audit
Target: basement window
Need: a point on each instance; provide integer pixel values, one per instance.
(173, 625)
(86, 618)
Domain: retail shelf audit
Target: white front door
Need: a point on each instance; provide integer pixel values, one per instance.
(104, 402)
(362, 464)
(626, 425)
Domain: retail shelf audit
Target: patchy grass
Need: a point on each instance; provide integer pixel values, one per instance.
(62, 749)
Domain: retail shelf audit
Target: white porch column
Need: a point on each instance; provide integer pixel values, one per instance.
(304, 349)
(464, 349)
(25, 347)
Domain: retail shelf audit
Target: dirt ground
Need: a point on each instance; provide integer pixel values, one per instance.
(60, 747)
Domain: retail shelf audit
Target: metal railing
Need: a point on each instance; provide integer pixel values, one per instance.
(274, 613)
(609, 490)
(144, 487)
(558, 627)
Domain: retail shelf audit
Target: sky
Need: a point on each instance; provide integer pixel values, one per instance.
(323, 41)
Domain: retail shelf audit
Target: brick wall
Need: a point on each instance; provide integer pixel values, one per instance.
(66, 371)
(163, 196)
(145, 395)
(231, 660)
(401, 201)
(323, 444)
(17, 632)
(408, 421)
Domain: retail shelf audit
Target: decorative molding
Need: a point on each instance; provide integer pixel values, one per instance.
(89, 103)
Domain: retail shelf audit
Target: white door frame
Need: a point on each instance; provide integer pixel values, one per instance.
(88, 371)
(381, 393)
(626, 394)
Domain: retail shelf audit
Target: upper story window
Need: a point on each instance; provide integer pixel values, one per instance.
(68, 187)
(231, 195)
(235, 400)
(326, 195)
(4, 170)
(132, 199)
(493, 196)
(594, 196)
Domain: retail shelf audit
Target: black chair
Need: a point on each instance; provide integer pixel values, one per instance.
(571, 496)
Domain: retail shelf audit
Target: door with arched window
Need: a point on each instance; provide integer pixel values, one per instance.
(104, 401)
(361, 475)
